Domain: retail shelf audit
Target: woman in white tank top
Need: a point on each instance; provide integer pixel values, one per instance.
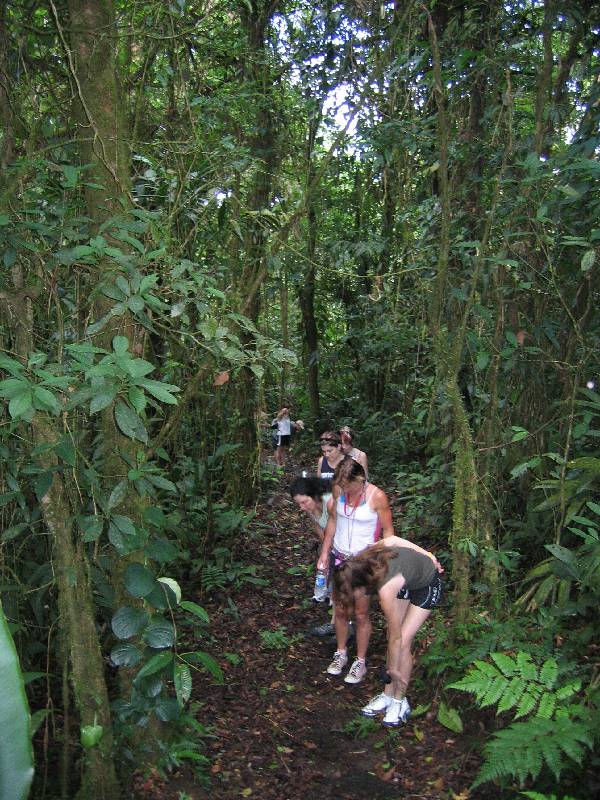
(359, 513)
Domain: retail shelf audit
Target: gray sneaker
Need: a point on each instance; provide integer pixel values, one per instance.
(326, 629)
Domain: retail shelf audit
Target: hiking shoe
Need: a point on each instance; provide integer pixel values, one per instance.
(377, 705)
(397, 712)
(340, 659)
(326, 629)
(357, 672)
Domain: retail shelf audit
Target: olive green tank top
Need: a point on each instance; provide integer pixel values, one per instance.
(417, 569)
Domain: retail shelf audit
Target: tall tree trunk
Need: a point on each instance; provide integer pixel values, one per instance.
(307, 290)
(242, 466)
(75, 601)
(285, 329)
(7, 134)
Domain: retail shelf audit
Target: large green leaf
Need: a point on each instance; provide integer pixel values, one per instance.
(92, 527)
(16, 755)
(157, 663)
(160, 634)
(139, 581)
(125, 654)
(128, 621)
(207, 661)
(162, 391)
(129, 423)
(182, 678)
(195, 609)
(124, 536)
(450, 718)
(118, 494)
(20, 404)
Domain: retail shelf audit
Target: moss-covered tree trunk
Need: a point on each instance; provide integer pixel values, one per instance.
(75, 600)
(242, 466)
(76, 608)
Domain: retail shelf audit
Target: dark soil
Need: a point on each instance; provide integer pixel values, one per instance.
(285, 730)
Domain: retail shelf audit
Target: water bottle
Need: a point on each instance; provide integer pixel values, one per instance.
(320, 592)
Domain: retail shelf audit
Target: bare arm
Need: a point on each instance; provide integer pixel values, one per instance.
(362, 460)
(319, 462)
(380, 504)
(398, 541)
(318, 530)
(328, 534)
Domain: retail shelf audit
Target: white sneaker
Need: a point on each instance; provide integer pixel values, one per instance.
(340, 659)
(357, 672)
(397, 712)
(377, 705)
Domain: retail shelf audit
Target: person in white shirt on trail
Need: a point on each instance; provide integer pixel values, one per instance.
(284, 426)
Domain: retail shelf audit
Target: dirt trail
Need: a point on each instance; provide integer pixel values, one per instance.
(284, 729)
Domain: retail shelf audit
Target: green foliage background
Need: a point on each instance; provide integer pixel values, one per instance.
(386, 212)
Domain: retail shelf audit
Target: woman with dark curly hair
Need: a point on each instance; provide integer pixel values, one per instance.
(406, 578)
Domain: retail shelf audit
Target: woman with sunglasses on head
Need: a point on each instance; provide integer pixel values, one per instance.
(331, 454)
(406, 578)
(359, 514)
(347, 440)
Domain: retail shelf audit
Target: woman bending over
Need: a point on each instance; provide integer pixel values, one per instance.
(409, 586)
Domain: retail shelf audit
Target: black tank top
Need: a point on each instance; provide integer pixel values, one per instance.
(327, 471)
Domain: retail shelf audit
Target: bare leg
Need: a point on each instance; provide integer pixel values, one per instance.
(363, 622)
(402, 610)
(341, 628)
(401, 661)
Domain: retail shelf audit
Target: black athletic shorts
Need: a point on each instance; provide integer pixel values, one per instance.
(425, 597)
(283, 440)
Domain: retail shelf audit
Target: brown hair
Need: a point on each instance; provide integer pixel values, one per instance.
(348, 470)
(330, 437)
(346, 437)
(366, 569)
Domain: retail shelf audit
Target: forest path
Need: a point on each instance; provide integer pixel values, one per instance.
(284, 729)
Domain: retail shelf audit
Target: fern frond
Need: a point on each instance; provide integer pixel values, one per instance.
(526, 666)
(524, 748)
(553, 756)
(512, 694)
(487, 669)
(506, 664)
(493, 694)
(573, 749)
(527, 703)
(471, 683)
(547, 706)
(568, 690)
(549, 673)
